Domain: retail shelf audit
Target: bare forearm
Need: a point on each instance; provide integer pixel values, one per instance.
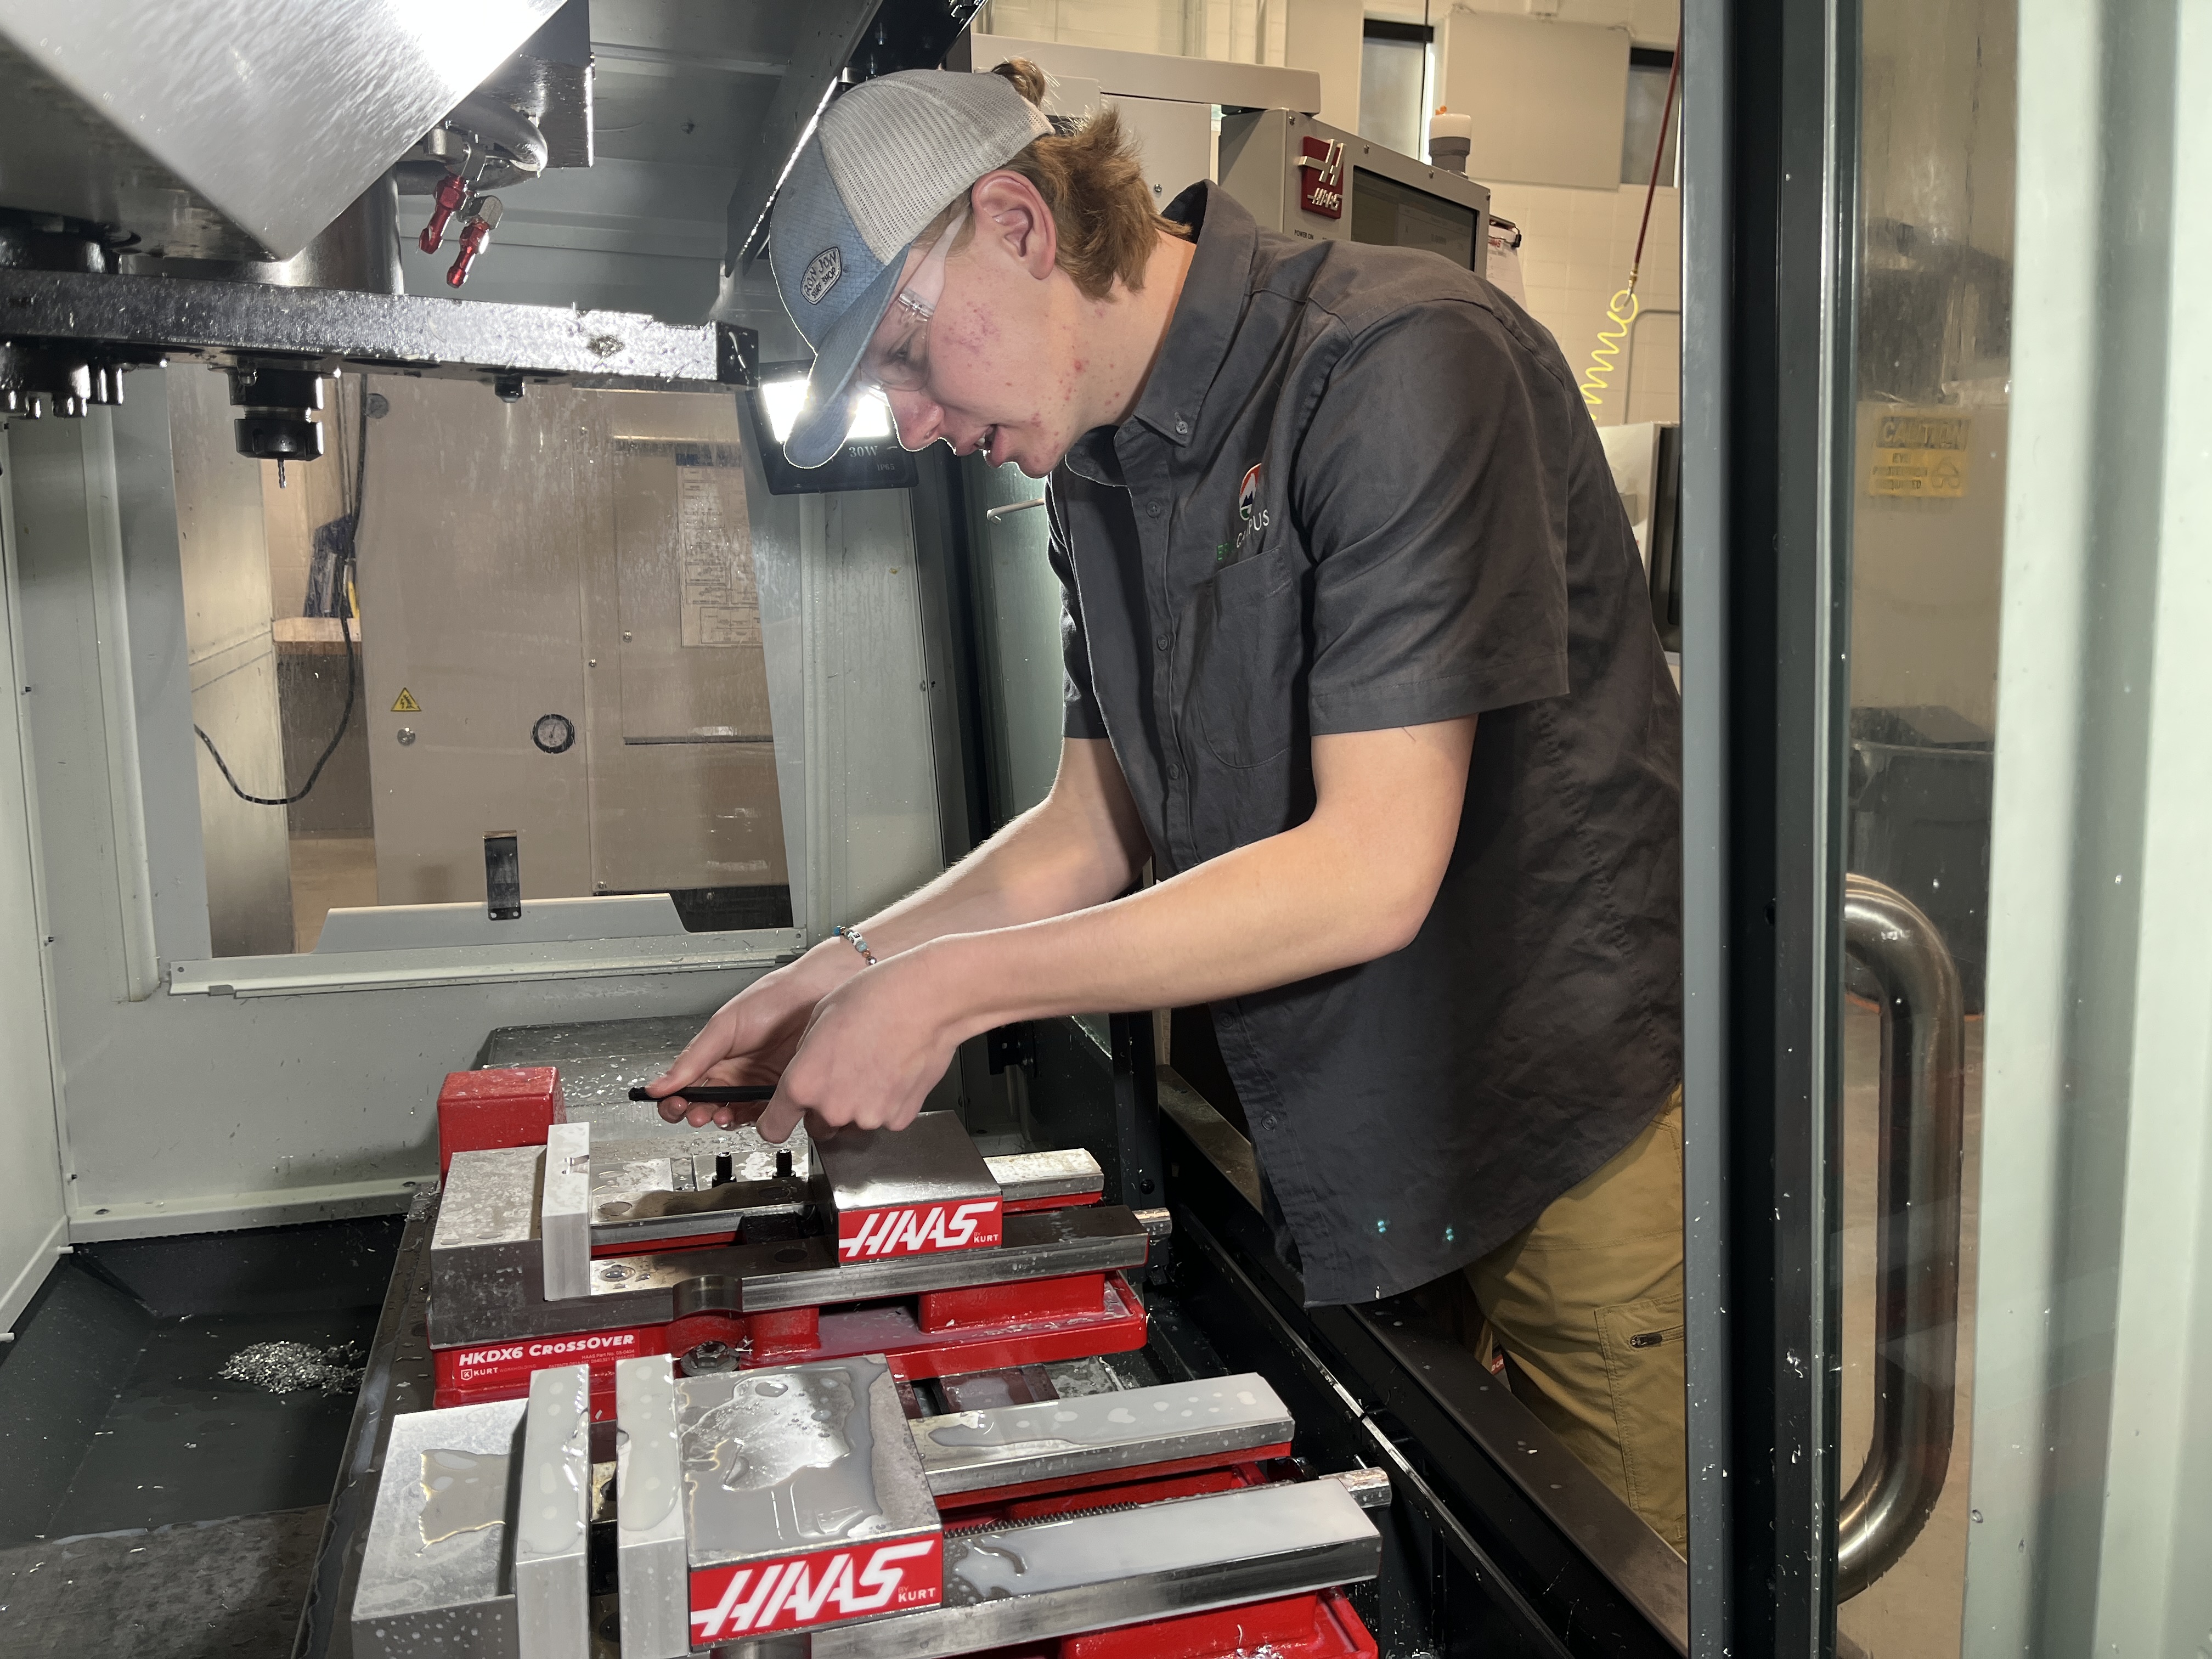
(1355, 881)
(1078, 848)
(1298, 904)
(1034, 867)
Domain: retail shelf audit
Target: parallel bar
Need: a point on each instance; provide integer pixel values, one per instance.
(635, 1216)
(553, 1514)
(1054, 1439)
(564, 1214)
(651, 1558)
(1024, 1175)
(1369, 1488)
(1023, 1584)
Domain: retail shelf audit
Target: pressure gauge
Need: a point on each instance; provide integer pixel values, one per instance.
(554, 734)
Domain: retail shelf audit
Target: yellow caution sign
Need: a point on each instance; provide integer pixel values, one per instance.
(1919, 454)
(405, 703)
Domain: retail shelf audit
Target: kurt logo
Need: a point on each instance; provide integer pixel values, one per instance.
(816, 1589)
(822, 272)
(867, 1235)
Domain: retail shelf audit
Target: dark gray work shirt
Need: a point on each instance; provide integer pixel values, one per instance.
(1361, 491)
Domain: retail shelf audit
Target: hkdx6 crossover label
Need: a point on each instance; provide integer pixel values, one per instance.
(820, 1589)
(510, 1364)
(917, 1229)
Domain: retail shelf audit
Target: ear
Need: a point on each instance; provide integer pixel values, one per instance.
(1011, 214)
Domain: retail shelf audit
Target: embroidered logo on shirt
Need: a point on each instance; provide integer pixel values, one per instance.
(822, 272)
(1251, 519)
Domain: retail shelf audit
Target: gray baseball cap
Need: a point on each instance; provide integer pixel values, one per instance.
(883, 161)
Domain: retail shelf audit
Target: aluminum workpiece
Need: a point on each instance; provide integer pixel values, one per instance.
(476, 1545)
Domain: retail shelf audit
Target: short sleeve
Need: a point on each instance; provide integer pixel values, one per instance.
(1082, 718)
(1431, 488)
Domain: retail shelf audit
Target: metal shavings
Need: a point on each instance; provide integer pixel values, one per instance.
(289, 1367)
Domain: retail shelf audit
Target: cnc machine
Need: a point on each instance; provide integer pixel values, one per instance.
(504, 573)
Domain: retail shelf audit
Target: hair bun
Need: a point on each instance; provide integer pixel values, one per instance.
(1028, 79)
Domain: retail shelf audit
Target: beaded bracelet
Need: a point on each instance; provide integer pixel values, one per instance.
(852, 937)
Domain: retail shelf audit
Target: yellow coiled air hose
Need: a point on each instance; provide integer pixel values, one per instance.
(1621, 310)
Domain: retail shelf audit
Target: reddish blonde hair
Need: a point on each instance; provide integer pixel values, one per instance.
(1091, 180)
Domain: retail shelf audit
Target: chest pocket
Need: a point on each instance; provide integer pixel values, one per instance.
(1246, 678)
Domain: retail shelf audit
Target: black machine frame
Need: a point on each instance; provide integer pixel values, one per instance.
(1770, 149)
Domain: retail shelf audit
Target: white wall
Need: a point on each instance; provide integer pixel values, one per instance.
(1574, 253)
(1577, 242)
(1323, 35)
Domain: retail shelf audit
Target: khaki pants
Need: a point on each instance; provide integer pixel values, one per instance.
(1584, 1311)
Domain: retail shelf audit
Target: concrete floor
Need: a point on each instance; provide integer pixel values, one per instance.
(1914, 1610)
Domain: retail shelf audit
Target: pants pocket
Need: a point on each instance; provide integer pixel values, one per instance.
(1642, 1343)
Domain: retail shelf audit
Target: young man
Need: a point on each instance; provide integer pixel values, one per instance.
(1359, 657)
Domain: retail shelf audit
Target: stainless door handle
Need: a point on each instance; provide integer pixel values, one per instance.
(1916, 1251)
(1008, 509)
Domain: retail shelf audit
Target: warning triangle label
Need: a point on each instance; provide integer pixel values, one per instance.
(405, 703)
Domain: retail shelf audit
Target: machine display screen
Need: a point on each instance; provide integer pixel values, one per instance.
(1394, 214)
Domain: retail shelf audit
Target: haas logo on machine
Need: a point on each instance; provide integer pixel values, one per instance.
(1320, 176)
(917, 1229)
(821, 1589)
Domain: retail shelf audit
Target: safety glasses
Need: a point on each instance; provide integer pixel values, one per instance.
(897, 357)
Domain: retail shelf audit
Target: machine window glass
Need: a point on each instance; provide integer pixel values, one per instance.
(1648, 72)
(475, 619)
(1396, 69)
(1926, 488)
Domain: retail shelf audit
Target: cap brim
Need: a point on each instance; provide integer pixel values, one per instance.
(827, 414)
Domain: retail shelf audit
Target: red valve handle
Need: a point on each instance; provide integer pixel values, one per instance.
(474, 235)
(452, 192)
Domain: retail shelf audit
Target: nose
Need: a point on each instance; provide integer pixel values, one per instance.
(918, 418)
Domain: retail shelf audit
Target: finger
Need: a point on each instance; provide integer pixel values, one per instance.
(776, 1123)
(711, 1047)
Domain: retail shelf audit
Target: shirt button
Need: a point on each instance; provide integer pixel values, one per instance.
(1182, 428)
(1161, 642)
(1268, 1121)
(1174, 771)
(1151, 509)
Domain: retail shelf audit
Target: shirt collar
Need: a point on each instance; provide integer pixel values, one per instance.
(1092, 456)
(1207, 311)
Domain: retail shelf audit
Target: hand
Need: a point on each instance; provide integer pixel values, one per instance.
(753, 1035)
(874, 1050)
